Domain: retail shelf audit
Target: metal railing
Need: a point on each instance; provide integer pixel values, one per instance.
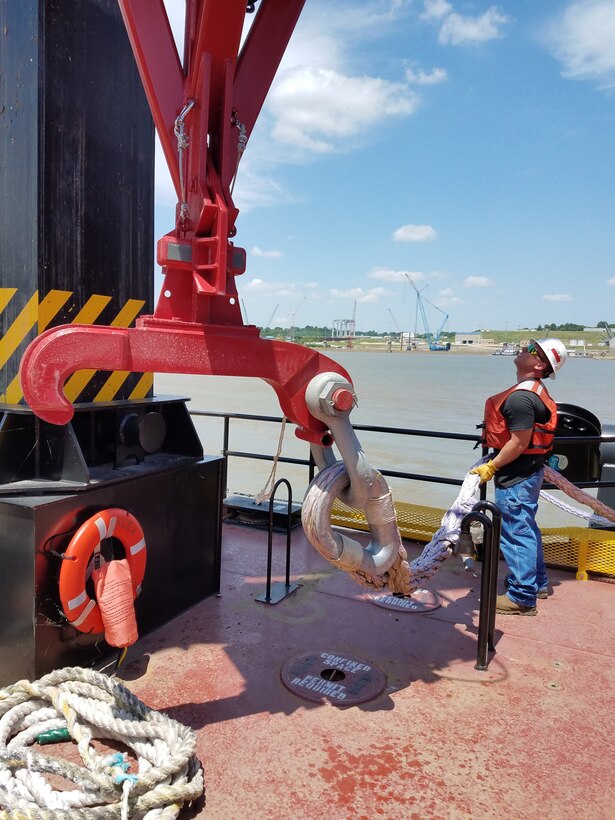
(400, 431)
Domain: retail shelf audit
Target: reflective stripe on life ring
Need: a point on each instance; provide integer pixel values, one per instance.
(80, 610)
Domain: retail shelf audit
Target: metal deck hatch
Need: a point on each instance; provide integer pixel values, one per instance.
(327, 676)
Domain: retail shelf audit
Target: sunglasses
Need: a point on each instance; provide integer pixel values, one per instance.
(532, 350)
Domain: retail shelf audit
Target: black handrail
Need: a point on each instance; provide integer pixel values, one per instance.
(403, 431)
(277, 593)
(492, 527)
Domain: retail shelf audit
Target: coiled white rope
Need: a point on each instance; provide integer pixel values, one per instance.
(90, 705)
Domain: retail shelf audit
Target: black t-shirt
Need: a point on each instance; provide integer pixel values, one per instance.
(521, 410)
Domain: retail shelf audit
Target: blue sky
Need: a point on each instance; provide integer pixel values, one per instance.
(468, 145)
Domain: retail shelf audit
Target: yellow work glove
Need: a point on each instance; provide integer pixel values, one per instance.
(485, 471)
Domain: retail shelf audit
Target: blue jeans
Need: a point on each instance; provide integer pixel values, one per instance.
(521, 542)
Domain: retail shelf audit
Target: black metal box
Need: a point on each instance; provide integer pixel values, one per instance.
(179, 511)
(576, 460)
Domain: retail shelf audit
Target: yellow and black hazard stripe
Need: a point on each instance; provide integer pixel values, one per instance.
(22, 322)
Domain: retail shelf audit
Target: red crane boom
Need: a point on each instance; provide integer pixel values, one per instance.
(204, 108)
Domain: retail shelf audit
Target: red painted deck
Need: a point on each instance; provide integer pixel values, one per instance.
(532, 737)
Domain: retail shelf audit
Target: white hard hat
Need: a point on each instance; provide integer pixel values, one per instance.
(555, 351)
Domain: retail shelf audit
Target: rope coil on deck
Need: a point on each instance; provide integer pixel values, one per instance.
(383, 563)
(91, 705)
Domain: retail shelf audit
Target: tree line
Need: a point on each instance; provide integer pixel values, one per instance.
(314, 333)
(572, 326)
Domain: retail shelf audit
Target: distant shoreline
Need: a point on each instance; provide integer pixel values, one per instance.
(473, 349)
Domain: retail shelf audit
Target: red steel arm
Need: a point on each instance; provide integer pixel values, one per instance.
(57, 353)
(260, 57)
(161, 73)
(204, 111)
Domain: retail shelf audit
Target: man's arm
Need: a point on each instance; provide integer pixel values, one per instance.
(518, 442)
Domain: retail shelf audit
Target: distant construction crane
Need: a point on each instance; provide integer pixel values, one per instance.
(404, 338)
(293, 316)
(269, 324)
(271, 318)
(395, 322)
(432, 339)
(399, 330)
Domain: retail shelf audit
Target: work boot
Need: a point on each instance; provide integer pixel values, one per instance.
(504, 606)
(542, 593)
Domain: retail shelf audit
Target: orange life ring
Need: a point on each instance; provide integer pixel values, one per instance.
(81, 611)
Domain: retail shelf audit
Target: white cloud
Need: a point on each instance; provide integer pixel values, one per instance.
(255, 187)
(611, 281)
(557, 297)
(414, 233)
(256, 251)
(316, 108)
(436, 9)
(419, 77)
(327, 33)
(446, 298)
(319, 102)
(310, 38)
(582, 39)
(271, 288)
(478, 282)
(361, 295)
(458, 30)
(388, 275)
(258, 285)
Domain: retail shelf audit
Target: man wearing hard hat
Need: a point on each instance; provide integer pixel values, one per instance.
(519, 424)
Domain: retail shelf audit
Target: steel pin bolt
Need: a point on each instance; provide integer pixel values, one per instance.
(342, 399)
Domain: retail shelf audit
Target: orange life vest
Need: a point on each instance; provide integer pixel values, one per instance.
(496, 432)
